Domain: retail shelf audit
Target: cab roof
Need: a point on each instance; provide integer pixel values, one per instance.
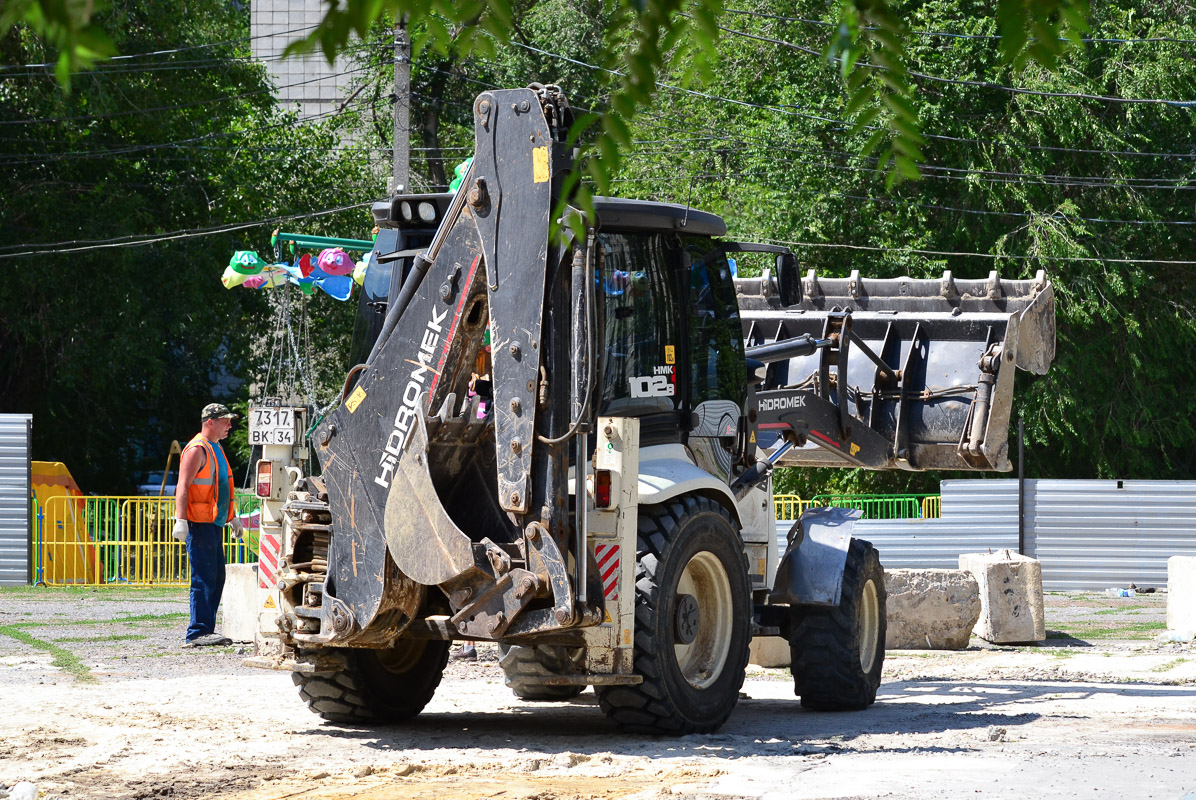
(614, 213)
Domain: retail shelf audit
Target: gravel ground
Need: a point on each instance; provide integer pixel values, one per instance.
(102, 701)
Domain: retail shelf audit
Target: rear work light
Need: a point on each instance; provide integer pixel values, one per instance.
(602, 488)
(264, 474)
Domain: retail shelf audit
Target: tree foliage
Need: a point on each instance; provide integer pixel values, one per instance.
(646, 39)
(115, 349)
(1083, 170)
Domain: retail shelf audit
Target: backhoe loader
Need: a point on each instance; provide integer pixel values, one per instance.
(564, 444)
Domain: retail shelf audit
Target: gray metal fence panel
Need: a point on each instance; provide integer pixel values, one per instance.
(14, 498)
(1094, 534)
(1087, 534)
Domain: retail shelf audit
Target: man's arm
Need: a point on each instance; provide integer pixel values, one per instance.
(189, 466)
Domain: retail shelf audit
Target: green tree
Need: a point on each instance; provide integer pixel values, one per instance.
(116, 348)
(1063, 171)
(646, 38)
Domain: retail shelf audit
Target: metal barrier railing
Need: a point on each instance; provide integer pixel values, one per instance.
(874, 506)
(126, 540)
(93, 541)
(932, 507)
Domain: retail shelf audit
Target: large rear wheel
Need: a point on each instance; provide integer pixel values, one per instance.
(692, 620)
(378, 686)
(838, 653)
(524, 668)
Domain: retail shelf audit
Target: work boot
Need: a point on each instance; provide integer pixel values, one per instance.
(466, 652)
(209, 640)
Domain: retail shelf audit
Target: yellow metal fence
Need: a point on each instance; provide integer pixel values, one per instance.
(874, 506)
(93, 541)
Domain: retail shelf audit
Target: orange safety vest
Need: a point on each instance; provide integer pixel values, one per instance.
(201, 495)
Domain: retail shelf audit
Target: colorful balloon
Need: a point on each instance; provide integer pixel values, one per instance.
(246, 262)
(335, 261)
(362, 267)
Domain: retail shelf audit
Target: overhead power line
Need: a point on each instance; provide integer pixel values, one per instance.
(182, 106)
(170, 51)
(991, 256)
(707, 176)
(1187, 104)
(81, 245)
(847, 125)
(951, 35)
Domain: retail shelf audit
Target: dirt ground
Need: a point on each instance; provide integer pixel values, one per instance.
(100, 701)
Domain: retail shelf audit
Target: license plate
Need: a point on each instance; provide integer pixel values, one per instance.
(271, 426)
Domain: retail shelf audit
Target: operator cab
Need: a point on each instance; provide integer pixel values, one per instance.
(666, 314)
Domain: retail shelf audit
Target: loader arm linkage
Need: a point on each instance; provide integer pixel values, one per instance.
(432, 479)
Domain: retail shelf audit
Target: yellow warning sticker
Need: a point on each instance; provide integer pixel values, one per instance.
(355, 399)
(855, 448)
(626, 636)
(539, 164)
(269, 602)
(670, 354)
(753, 437)
(607, 620)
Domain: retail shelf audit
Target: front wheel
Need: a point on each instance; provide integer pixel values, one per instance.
(692, 621)
(837, 653)
(378, 686)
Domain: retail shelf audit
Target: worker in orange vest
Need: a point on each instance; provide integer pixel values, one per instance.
(203, 506)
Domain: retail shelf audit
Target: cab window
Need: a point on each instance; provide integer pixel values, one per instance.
(639, 322)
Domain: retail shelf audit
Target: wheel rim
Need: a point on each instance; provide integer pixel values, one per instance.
(869, 626)
(403, 657)
(701, 661)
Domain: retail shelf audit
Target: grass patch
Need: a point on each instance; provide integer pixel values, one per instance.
(1170, 665)
(116, 637)
(1125, 631)
(64, 659)
(113, 593)
(174, 616)
(1123, 610)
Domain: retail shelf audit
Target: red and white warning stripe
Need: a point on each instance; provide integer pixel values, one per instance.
(607, 556)
(269, 546)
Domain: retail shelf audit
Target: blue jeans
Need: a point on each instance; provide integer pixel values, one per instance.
(205, 548)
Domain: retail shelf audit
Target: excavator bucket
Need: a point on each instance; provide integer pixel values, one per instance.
(900, 373)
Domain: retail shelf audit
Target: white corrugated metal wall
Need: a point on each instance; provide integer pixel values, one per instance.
(1099, 534)
(1088, 535)
(15, 491)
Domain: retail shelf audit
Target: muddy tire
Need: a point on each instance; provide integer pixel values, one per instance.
(522, 665)
(692, 621)
(378, 686)
(837, 654)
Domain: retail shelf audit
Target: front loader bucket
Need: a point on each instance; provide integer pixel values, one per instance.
(908, 373)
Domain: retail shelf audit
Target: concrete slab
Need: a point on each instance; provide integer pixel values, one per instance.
(1181, 596)
(769, 651)
(931, 609)
(1010, 596)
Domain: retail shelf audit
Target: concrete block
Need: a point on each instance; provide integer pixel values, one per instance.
(930, 609)
(769, 651)
(240, 602)
(1181, 595)
(1010, 596)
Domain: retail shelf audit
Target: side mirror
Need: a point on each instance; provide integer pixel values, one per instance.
(788, 280)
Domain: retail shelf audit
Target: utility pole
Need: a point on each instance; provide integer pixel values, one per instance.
(402, 140)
